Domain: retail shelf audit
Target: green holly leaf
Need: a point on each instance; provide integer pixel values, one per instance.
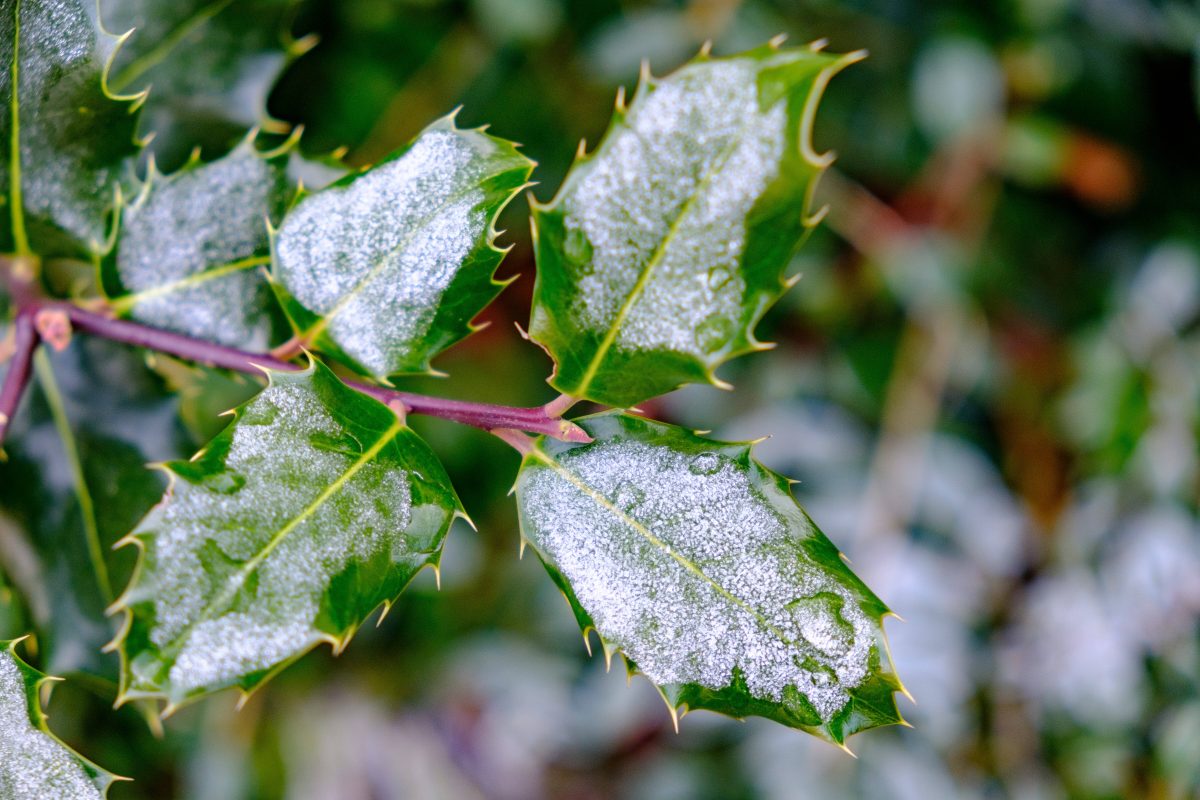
(386, 268)
(193, 247)
(315, 507)
(665, 247)
(73, 138)
(210, 65)
(697, 564)
(34, 764)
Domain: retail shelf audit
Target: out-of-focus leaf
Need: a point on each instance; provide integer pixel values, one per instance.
(12, 614)
(34, 765)
(209, 64)
(192, 248)
(74, 137)
(664, 247)
(696, 563)
(386, 268)
(315, 507)
(75, 482)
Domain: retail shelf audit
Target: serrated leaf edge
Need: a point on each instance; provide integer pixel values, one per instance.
(15, 189)
(810, 219)
(679, 710)
(307, 338)
(40, 719)
(337, 643)
(123, 302)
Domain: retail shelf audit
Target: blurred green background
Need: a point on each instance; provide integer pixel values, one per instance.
(988, 382)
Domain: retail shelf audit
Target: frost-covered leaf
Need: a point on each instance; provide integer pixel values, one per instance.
(696, 563)
(34, 765)
(315, 507)
(75, 138)
(209, 64)
(386, 268)
(193, 247)
(664, 247)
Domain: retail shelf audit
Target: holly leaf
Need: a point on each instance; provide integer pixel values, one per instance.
(696, 563)
(34, 764)
(73, 138)
(210, 64)
(315, 507)
(193, 247)
(665, 247)
(386, 268)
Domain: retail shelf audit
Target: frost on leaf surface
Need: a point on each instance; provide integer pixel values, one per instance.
(33, 764)
(313, 508)
(665, 246)
(386, 268)
(193, 248)
(74, 138)
(697, 564)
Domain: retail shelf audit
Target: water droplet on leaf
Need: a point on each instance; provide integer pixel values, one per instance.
(578, 250)
(719, 276)
(713, 333)
(820, 621)
(705, 464)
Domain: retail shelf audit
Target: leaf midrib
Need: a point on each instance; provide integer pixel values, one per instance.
(381, 264)
(233, 584)
(647, 534)
(127, 302)
(657, 256)
(17, 203)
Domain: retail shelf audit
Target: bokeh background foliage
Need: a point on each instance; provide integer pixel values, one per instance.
(988, 382)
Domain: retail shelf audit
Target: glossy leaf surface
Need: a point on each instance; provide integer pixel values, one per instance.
(210, 65)
(666, 245)
(315, 507)
(386, 268)
(34, 765)
(193, 247)
(696, 563)
(74, 138)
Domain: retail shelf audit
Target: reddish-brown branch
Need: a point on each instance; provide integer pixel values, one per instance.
(22, 287)
(479, 415)
(25, 342)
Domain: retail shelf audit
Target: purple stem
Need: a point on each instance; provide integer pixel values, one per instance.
(25, 342)
(480, 415)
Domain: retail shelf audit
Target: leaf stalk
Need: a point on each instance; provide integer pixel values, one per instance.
(480, 415)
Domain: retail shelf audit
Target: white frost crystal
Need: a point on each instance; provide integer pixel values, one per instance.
(689, 570)
(33, 765)
(293, 490)
(668, 197)
(63, 178)
(375, 257)
(178, 238)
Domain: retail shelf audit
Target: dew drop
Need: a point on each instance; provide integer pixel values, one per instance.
(578, 250)
(719, 277)
(705, 464)
(228, 482)
(713, 333)
(821, 623)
